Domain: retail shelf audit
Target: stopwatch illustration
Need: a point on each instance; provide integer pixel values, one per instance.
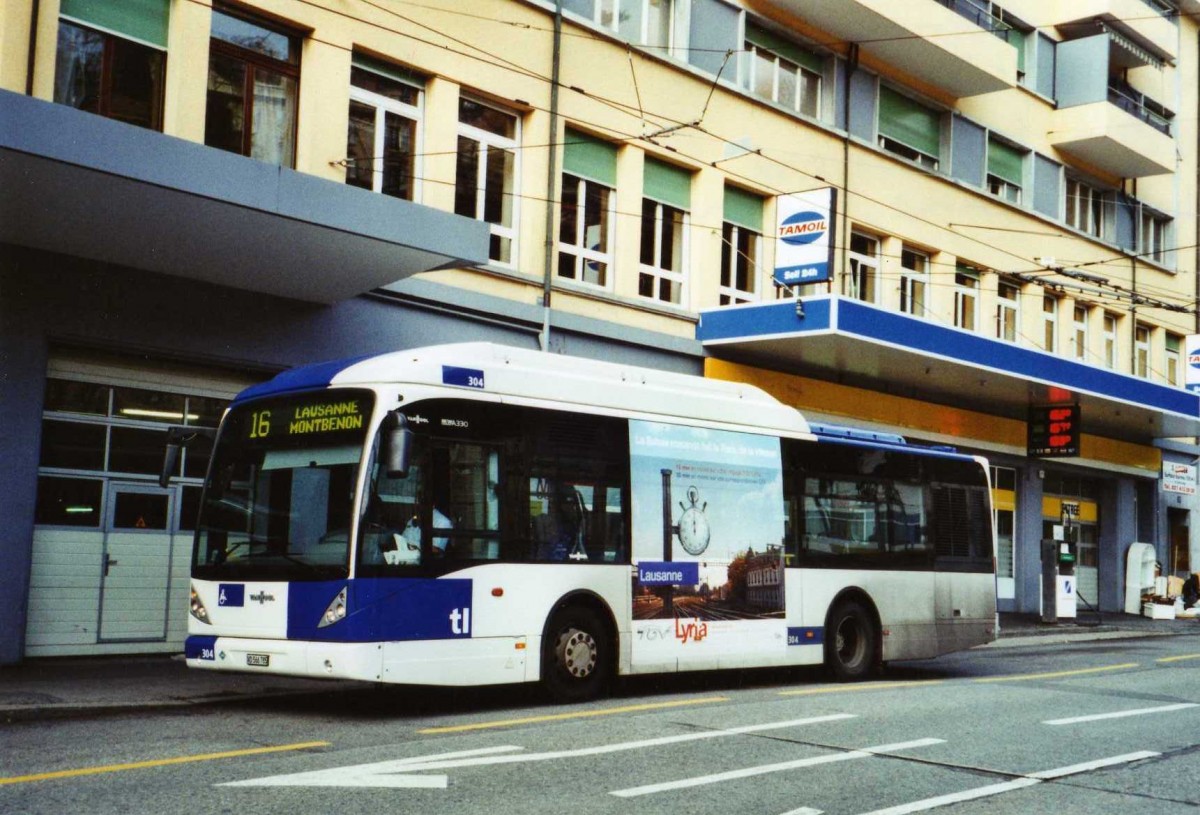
(693, 528)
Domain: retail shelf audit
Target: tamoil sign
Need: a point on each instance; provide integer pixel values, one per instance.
(804, 236)
(1191, 371)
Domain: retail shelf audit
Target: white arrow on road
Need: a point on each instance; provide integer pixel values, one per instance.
(398, 773)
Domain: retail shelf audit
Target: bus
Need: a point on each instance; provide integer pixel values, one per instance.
(474, 514)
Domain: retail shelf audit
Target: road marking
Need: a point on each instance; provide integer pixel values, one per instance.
(384, 772)
(161, 762)
(865, 686)
(558, 717)
(804, 811)
(1021, 782)
(1058, 674)
(1178, 658)
(811, 761)
(1120, 714)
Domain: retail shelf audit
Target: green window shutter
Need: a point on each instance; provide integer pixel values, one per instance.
(589, 157)
(387, 69)
(743, 208)
(910, 123)
(1005, 162)
(784, 48)
(144, 20)
(667, 184)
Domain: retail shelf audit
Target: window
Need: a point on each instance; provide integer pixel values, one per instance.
(1174, 342)
(1110, 341)
(913, 279)
(486, 181)
(1050, 323)
(1008, 311)
(253, 85)
(781, 72)
(1085, 208)
(966, 297)
(661, 24)
(741, 235)
(1141, 351)
(860, 283)
(382, 143)
(585, 251)
(667, 191)
(909, 129)
(111, 59)
(1154, 233)
(1080, 336)
(1005, 170)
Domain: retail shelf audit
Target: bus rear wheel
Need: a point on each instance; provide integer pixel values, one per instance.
(576, 655)
(851, 642)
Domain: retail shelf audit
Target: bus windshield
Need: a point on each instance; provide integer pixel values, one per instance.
(279, 499)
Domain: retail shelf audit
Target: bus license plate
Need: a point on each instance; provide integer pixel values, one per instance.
(258, 660)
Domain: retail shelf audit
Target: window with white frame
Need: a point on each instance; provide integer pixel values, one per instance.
(1085, 208)
(741, 237)
(1155, 229)
(382, 141)
(1110, 341)
(914, 277)
(862, 281)
(588, 209)
(1008, 311)
(909, 129)
(966, 297)
(486, 180)
(1174, 343)
(1080, 336)
(664, 247)
(1141, 351)
(658, 24)
(1050, 322)
(780, 71)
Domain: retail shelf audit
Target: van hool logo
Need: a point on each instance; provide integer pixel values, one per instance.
(803, 227)
(263, 598)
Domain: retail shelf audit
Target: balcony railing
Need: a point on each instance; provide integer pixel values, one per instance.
(1164, 8)
(1136, 104)
(980, 14)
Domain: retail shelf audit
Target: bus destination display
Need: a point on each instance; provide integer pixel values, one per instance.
(306, 417)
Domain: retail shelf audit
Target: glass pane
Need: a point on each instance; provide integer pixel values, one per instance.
(273, 131)
(78, 66)
(595, 222)
(72, 446)
(76, 397)
(141, 510)
(205, 411)
(658, 22)
(148, 406)
(487, 118)
(764, 75)
(360, 146)
(254, 37)
(137, 451)
(595, 272)
(788, 85)
(195, 457)
(382, 85)
(810, 93)
(498, 199)
(568, 218)
(567, 265)
(466, 177)
(649, 216)
(398, 152)
(68, 501)
(189, 508)
(225, 116)
(500, 249)
(136, 91)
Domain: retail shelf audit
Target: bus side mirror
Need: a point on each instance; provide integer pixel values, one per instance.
(177, 439)
(397, 445)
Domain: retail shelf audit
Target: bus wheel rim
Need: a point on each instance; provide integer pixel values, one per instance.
(577, 652)
(848, 641)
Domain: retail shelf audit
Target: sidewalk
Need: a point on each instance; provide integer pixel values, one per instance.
(74, 686)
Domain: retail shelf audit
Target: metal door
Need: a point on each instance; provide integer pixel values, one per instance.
(136, 563)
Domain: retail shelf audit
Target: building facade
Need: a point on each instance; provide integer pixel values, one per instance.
(197, 195)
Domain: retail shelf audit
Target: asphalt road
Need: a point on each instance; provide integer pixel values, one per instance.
(1098, 727)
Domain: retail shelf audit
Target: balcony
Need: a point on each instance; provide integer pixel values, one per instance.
(1144, 23)
(934, 41)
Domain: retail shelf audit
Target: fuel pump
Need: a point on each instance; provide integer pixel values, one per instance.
(1058, 568)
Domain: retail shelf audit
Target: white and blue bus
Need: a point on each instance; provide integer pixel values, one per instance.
(474, 514)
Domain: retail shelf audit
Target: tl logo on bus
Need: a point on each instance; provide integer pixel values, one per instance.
(803, 228)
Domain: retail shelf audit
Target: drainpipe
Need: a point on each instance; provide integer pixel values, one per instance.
(551, 175)
(33, 28)
(851, 67)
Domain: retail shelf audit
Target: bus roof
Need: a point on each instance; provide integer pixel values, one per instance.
(526, 374)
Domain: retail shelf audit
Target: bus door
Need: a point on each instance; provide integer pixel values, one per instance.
(135, 563)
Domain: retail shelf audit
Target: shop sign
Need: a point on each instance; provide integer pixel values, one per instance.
(1179, 478)
(804, 237)
(1191, 370)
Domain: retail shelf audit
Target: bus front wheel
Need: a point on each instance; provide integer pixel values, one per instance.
(576, 655)
(851, 642)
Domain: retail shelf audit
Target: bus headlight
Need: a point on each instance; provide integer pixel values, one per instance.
(336, 611)
(197, 608)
